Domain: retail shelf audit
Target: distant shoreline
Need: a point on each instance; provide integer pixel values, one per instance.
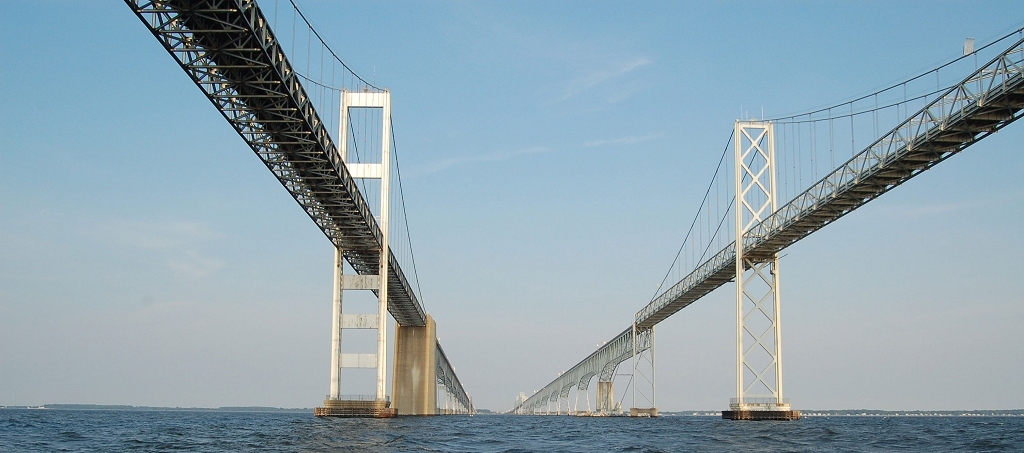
(691, 413)
(872, 413)
(117, 407)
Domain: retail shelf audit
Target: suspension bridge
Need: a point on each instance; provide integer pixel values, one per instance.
(778, 181)
(286, 94)
(327, 135)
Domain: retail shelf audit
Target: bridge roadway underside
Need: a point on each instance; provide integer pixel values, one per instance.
(860, 180)
(230, 52)
(927, 138)
(228, 49)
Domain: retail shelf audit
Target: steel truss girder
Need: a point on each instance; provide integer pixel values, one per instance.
(446, 376)
(986, 101)
(229, 51)
(917, 144)
(601, 363)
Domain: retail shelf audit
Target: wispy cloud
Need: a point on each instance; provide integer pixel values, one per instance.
(179, 243)
(926, 210)
(621, 94)
(157, 234)
(599, 77)
(621, 141)
(495, 156)
(195, 265)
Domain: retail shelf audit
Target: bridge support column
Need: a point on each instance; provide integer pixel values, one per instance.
(336, 323)
(643, 381)
(337, 405)
(605, 397)
(758, 332)
(376, 405)
(414, 382)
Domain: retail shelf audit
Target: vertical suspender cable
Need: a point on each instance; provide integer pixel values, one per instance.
(831, 140)
(853, 142)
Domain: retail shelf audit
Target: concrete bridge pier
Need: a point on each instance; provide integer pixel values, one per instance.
(605, 397)
(414, 384)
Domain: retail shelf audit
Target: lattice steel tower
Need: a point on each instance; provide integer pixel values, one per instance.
(758, 333)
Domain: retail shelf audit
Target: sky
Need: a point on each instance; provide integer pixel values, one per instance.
(553, 155)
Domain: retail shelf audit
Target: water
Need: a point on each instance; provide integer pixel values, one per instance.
(109, 431)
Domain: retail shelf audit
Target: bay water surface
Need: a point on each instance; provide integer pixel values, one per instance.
(25, 430)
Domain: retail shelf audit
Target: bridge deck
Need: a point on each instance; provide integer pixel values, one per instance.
(446, 376)
(916, 145)
(230, 52)
(948, 125)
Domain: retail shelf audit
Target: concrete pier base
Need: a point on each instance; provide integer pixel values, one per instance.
(760, 408)
(605, 398)
(643, 412)
(415, 375)
(761, 415)
(355, 409)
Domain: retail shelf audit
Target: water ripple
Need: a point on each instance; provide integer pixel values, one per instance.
(113, 431)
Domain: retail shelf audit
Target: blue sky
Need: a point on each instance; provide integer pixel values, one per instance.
(553, 155)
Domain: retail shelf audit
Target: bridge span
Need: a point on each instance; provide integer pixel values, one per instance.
(353, 194)
(756, 228)
(328, 139)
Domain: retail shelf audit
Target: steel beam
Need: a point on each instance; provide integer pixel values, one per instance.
(758, 347)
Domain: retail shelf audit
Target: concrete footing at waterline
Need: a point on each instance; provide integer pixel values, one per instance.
(415, 372)
(761, 415)
(355, 409)
(651, 412)
(414, 384)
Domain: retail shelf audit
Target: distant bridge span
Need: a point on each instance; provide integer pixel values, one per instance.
(989, 99)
